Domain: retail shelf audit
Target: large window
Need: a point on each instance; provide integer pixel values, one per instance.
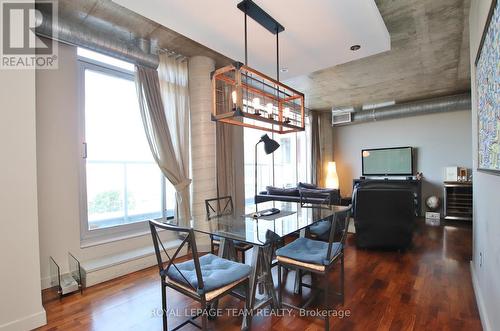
(122, 184)
(288, 165)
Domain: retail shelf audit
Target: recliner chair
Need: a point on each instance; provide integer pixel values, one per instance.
(384, 215)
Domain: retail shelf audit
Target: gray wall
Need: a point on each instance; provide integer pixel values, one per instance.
(440, 140)
(486, 226)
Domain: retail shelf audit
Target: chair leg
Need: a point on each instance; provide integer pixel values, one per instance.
(204, 315)
(300, 281)
(279, 287)
(164, 306)
(342, 284)
(212, 247)
(248, 307)
(325, 303)
(285, 274)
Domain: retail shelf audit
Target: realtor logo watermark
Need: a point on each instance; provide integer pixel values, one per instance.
(21, 48)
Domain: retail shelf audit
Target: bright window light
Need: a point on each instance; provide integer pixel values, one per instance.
(98, 57)
(123, 183)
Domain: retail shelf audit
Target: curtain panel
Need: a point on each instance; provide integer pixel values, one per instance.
(224, 137)
(166, 144)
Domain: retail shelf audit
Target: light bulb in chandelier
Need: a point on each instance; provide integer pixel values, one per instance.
(269, 110)
(256, 105)
(286, 115)
(234, 96)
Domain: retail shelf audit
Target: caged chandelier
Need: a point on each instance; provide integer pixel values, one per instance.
(246, 97)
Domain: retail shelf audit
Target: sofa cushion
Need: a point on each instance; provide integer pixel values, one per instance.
(271, 190)
(307, 185)
(318, 193)
(216, 272)
(308, 250)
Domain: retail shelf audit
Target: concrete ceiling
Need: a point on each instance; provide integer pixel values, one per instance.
(429, 57)
(429, 53)
(317, 34)
(107, 16)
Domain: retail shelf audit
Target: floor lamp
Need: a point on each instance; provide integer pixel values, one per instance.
(270, 145)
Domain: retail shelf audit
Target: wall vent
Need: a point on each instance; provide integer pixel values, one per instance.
(341, 115)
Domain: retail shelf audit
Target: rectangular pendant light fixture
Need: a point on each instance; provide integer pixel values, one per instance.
(246, 97)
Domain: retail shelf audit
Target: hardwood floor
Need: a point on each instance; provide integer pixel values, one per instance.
(425, 288)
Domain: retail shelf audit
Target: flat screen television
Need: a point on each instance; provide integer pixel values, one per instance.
(395, 161)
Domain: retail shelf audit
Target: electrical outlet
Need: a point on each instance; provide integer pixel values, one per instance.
(480, 259)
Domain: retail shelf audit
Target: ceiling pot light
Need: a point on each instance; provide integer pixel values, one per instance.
(355, 48)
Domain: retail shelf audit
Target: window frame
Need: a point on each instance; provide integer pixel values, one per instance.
(113, 233)
(293, 136)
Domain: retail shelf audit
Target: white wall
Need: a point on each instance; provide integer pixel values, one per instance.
(440, 140)
(58, 151)
(486, 241)
(20, 296)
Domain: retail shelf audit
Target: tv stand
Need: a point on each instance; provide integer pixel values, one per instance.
(414, 184)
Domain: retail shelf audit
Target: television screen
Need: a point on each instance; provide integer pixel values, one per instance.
(396, 161)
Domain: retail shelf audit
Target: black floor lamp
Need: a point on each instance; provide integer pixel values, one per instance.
(270, 145)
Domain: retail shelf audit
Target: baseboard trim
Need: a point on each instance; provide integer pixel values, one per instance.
(107, 268)
(26, 323)
(485, 322)
(115, 270)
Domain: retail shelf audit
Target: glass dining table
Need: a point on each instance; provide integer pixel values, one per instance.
(264, 234)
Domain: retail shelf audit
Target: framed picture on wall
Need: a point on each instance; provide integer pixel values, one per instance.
(488, 93)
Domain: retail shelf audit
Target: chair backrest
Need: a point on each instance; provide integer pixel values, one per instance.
(384, 207)
(384, 217)
(338, 230)
(164, 266)
(219, 206)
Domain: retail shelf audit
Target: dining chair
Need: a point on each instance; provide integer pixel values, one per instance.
(221, 206)
(321, 230)
(204, 279)
(318, 258)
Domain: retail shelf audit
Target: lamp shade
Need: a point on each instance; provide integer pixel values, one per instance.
(332, 179)
(270, 145)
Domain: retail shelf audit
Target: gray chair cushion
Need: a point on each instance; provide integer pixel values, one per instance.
(216, 272)
(321, 228)
(308, 250)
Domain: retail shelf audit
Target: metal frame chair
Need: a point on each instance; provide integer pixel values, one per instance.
(199, 294)
(221, 206)
(321, 270)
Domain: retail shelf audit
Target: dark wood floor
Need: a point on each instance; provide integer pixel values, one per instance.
(426, 288)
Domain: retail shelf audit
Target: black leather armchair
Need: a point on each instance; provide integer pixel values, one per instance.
(384, 215)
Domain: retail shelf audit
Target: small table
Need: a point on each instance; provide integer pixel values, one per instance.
(263, 234)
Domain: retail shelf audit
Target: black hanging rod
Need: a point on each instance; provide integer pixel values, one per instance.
(260, 16)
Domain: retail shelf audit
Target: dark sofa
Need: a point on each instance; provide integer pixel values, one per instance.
(303, 193)
(384, 215)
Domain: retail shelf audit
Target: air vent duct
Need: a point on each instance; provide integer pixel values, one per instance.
(91, 37)
(445, 104)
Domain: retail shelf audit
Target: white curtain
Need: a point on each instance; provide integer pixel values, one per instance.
(166, 131)
(173, 76)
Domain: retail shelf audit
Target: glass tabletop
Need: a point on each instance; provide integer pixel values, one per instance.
(241, 226)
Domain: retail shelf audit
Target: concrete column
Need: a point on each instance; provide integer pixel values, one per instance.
(202, 133)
